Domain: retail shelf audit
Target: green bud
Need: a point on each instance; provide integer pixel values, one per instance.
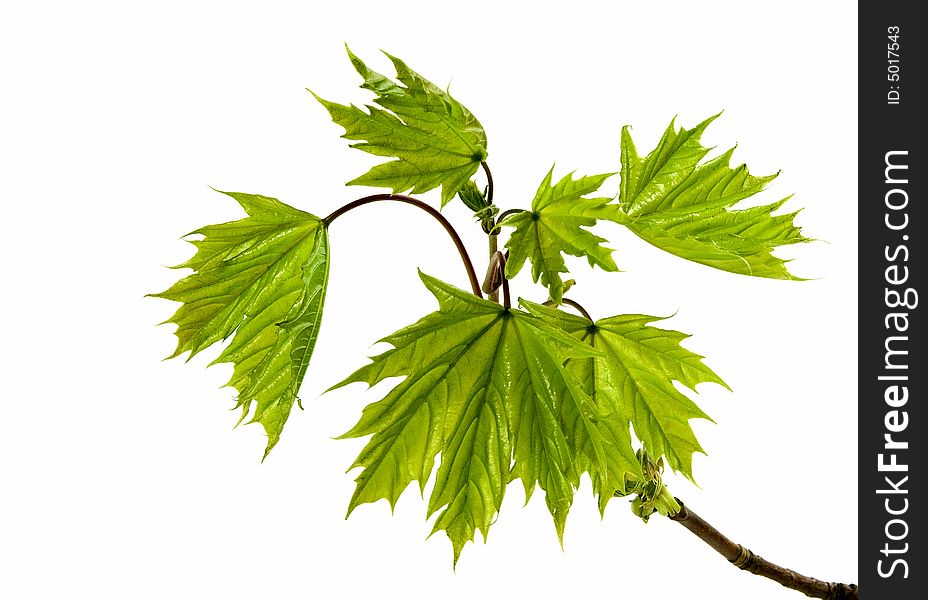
(472, 197)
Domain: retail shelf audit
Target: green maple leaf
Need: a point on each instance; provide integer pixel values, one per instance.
(683, 207)
(483, 385)
(554, 226)
(631, 381)
(435, 139)
(262, 280)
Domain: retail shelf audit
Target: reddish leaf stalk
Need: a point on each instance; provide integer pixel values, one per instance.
(502, 271)
(462, 250)
(486, 169)
(579, 308)
(507, 213)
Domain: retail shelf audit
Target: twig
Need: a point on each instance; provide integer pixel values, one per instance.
(744, 559)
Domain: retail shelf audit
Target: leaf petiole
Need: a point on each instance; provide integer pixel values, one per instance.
(486, 169)
(578, 307)
(462, 250)
(507, 213)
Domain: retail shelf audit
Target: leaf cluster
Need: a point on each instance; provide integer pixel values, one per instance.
(490, 392)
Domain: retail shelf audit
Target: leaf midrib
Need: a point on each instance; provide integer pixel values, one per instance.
(402, 132)
(476, 422)
(410, 380)
(444, 118)
(531, 383)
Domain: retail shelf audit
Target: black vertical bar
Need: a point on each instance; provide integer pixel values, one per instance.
(891, 268)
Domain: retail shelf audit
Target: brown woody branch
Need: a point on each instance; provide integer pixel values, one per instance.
(744, 559)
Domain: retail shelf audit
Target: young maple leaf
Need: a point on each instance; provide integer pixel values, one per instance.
(554, 226)
(262, 280)
(435, 139)
(484, 385)
(631, 381)
(672, 201)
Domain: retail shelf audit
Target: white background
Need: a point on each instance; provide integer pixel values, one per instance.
(120, 474)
